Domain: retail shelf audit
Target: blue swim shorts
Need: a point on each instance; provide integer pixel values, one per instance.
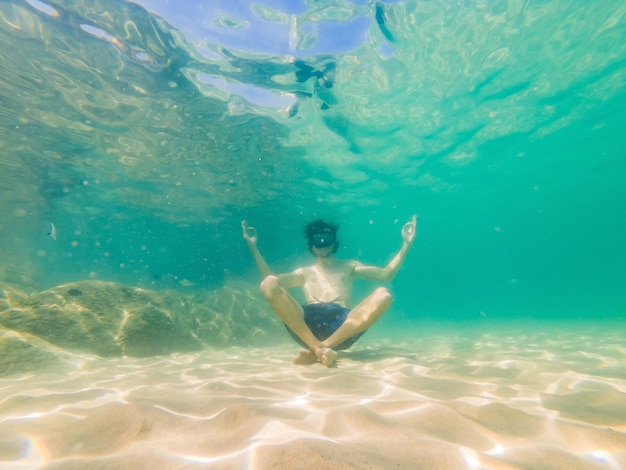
(324, 318)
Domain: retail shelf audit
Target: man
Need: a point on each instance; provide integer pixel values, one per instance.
(327, 323)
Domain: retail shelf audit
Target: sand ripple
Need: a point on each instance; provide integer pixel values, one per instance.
(530, 398)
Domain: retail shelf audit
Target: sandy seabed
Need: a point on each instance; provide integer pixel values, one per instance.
(542, 396)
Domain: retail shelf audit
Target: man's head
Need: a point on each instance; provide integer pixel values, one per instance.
(321, 234)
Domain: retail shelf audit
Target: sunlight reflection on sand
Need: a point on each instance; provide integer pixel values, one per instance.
(544, 398)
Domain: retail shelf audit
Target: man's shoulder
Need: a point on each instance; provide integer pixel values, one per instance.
(304, 269)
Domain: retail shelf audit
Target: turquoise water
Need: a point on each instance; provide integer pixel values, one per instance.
(146, 142)
(136, 136)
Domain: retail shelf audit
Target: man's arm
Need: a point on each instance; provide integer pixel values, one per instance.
(287, 280)
(249, 235)
(386, 274)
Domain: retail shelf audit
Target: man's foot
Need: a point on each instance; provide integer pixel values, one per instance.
(305, 358)
(327, 356)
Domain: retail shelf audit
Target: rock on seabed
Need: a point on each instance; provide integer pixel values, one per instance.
(109, 319)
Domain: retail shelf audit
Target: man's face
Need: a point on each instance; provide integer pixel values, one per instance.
(323, 244)
(324, 252)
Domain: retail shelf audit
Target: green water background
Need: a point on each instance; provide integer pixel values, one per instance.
(500, 123)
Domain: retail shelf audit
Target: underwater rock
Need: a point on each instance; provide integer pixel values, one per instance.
(86, 323)
(151, 330)
(109, 319)
(21, 353)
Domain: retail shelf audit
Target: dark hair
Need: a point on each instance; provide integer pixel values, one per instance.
(320, 226)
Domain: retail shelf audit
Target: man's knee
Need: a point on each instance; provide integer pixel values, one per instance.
(383, 297)
(378, 302)
(269, 286)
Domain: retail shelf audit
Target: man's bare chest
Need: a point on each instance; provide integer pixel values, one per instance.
(335, 276)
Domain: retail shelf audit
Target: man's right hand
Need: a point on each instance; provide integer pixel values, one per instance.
(409, 231)
(249, 233)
